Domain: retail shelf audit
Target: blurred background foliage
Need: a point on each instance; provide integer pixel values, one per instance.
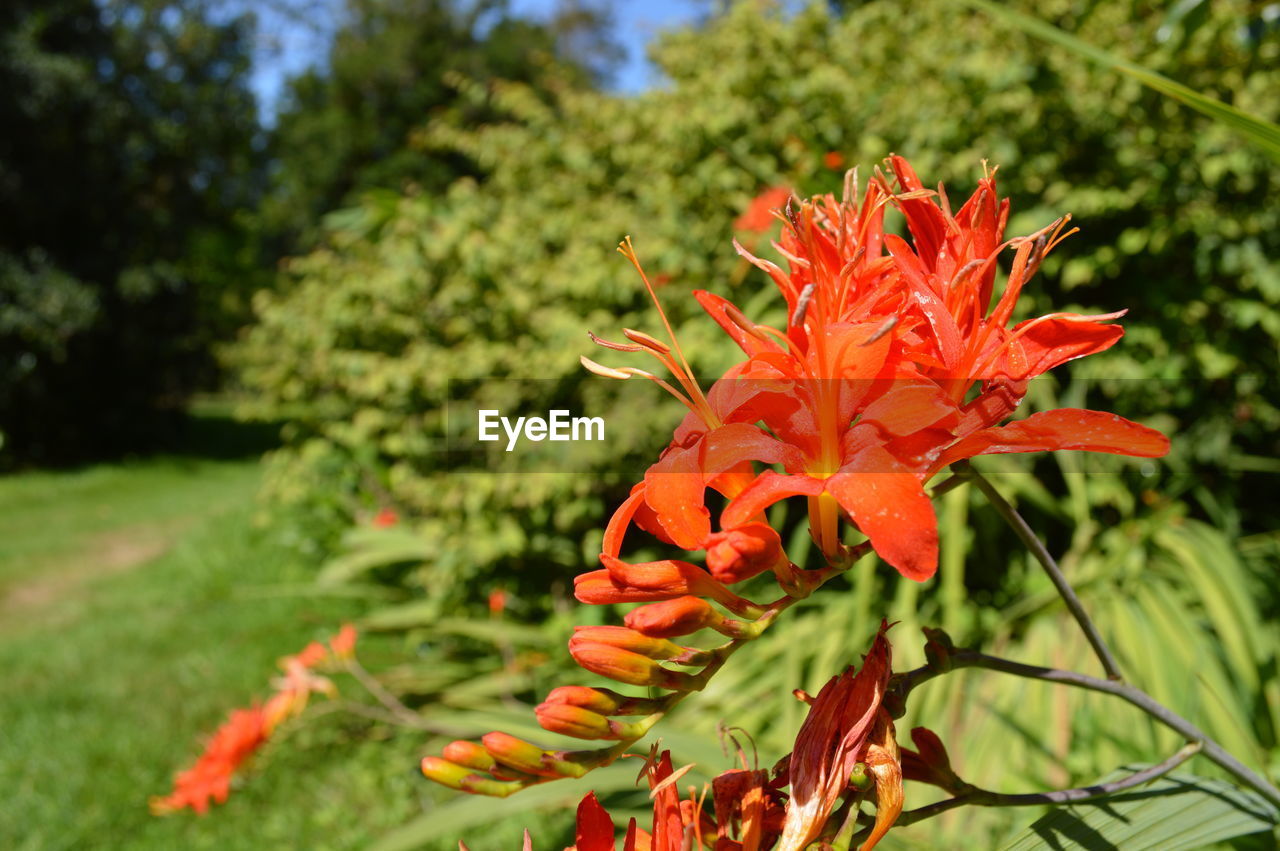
(448, 218)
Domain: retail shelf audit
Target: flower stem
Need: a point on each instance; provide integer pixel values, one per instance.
(984, 798)
(1056, 576)
(1130, 694)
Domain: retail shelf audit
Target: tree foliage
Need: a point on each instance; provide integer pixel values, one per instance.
(501, 278)
(348, 126)
(127, 154)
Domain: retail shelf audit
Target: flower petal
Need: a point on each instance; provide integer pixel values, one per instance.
(891, 508)
(594, 829)
(768, 488)
(1064, 428)
(1051, 340)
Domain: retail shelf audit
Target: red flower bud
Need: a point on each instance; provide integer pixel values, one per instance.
(744, 552)
(599, 588)
(627, 667)
(469, 755)
(667, 575)
(628, 639)
(583, 723)
(602, 700)
(529, 758)
(669, 579)
(681, 616)
(929, 762)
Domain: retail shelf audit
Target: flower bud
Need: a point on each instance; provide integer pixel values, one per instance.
(929, 762)
(681, 616)
(445, 772)
(627, 667)
(628, 639)
(670, 579)
(468, 755)
(598, 588)
(744, 552)
(668, 575)
(464, 780)
(529, 758)
(602, 700)
(583, 723)
(938, 649)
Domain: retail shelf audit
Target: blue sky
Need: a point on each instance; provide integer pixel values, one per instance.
(296, 45)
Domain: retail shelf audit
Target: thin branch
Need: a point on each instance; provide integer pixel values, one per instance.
(392, 704)
(975, 797)
(373, 713)
(905, 682)
(1056, 576)
(984, 798)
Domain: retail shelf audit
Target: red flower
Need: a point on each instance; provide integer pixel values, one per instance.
(862, 398)
(246, 729)
(833, 160)
(385, 519)
(210, 778)
(759, 217)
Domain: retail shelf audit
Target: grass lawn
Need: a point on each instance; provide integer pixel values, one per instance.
(132, 619)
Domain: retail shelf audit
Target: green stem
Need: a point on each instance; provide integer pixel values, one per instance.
(909, 680)
(1056, 576)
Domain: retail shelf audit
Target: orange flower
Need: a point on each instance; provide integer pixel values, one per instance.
(343, 645)
(759, 217)
(870, 391)
(210, 778)
(246, 729)
(385, 518)
(833, 160)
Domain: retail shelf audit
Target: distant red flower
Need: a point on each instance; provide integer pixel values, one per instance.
(247, 729)
(497, 601)
(210, 777)
(343, 644)
(833, 160)
(385, 519)
(759, 215)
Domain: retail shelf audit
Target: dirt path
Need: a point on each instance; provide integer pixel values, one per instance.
(67, 575)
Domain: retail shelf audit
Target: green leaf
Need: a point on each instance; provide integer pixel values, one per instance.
(1261, 132)
(370, 549)
(1178, 811)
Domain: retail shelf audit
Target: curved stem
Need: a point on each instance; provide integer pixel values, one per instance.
(907, 681)
(1056, 576)
(983, 798)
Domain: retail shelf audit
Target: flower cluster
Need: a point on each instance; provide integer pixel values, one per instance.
(245, 730)
(898, 359)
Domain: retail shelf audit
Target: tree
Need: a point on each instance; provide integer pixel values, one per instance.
(128, 155)
(348, 127)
